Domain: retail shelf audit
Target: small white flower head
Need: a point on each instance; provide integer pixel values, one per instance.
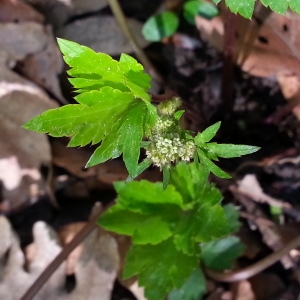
(163, 124)
(169, 107)
(165, 150)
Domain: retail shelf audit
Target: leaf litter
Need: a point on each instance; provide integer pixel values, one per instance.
(257, 100)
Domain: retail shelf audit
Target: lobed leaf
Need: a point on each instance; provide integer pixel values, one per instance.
(230, 150)
(207, 163)
(161, 268)
(219, 255)
(113, 107)
(206, 135)
(95, 70)
(243, 7)
(194, 288)
(166, 230)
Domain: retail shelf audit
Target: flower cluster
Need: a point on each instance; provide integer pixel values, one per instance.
(166, 150)
(168, 108)
(168, 143)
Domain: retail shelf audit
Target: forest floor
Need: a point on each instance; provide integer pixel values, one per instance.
(43, 180)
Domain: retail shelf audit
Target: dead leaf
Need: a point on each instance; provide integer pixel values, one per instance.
(275, 39)
(28, 38)
(74, 160)
(242, 290)
(43, 67)
(95, 270)
(250, 186)
(290, 87)
(58, 12)
(22, 151)
(266, 286)
(17, 12)
(102, 34)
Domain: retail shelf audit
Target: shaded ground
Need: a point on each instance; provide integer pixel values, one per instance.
(196, 75)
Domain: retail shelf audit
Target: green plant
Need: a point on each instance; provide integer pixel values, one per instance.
(246, 7)
(166, 23)
(169, 224)
(115, 109)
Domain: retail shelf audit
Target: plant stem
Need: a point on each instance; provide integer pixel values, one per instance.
(80, 236)
(256, 268)
(228, 54)
(121, 19)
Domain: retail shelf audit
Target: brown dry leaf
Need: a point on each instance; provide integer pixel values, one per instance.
(266, 286)
(28, 38)
(22, 151)
(103, 34)
(290, 86)
(275, 48)
(14, 279)
(43, 67)
(58, 12)
(95, 270)
(249, 188)
(74, 160)
(242, 290)
(17, 12)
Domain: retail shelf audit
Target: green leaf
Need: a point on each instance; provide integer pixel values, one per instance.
(160, 26)
(151, 230)
(210, 165)
(166, 176)
(166, 231)
(161, 268)
(148, 198)
(178, 114)
(200, 225)
(207, 134)
(295, 6)
(279, 6)
(193, 289)
(243, 7)
(145, 164)
(220, 254)
(230, 150)
(121, 221)
(194, 7)
(190, 181)
(93, 71)
(124, 137)
(113, 107)
(232, 215)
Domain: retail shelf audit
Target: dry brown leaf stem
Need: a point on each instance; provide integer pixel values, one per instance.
(80, 236)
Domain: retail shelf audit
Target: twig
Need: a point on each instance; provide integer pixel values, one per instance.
(80, 236)
(228, 54)
(121, 19)
(256, 268)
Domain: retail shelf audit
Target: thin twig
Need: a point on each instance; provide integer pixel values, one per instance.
(121, 19)
(256, 268)
(228, 55)
(80, 236)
